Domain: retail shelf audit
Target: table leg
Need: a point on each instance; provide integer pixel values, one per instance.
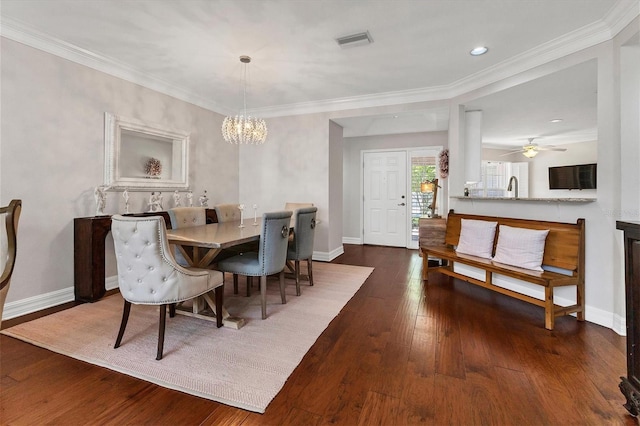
(201, 303)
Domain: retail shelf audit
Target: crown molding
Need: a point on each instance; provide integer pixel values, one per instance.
(572, 42)
(355, 102)
(560, 47)
(620, 15)
(21, 33)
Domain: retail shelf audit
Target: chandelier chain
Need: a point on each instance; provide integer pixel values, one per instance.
(243, 129)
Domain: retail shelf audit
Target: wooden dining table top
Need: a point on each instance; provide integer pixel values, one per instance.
(216, 235)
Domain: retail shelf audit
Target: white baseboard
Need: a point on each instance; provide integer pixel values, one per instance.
(38, 303)
(111, 282)
(48, 300)
(352, 240)
(324, 256)
(619, 325)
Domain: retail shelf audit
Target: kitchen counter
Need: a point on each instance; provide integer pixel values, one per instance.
(548, 200)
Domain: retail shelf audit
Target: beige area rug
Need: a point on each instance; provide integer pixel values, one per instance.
(243, 368)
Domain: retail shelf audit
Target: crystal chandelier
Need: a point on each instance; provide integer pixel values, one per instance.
(243, 129)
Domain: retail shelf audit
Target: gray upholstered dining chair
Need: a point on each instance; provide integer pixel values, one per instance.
(301, 247)
(270, 258)
(229, 213)
(292, 207)
(182, 217)
(149, 275)
(11, 215)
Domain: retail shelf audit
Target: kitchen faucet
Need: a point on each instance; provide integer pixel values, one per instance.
(510, 187)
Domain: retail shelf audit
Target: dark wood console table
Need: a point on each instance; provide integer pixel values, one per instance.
(630, 385)
(89, 235)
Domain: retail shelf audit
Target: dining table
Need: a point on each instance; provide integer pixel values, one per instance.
(200, 245)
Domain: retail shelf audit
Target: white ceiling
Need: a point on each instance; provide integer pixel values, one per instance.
(511, 117)
(190, 49)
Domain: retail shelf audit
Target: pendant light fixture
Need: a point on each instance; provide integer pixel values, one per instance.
(243, 129)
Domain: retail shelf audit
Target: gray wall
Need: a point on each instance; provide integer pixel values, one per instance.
(53, 155)
(353, 148)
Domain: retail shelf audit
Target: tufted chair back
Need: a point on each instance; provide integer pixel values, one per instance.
(301, 246)
(149, 275)
(293, 207)
(227, 212)
(304, 233)
(274, 236)
(147, 271)
(182, 217)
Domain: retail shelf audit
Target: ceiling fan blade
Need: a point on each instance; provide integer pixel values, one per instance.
(511, 152)
(551, 148)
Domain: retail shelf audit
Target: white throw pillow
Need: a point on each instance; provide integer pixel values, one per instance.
(476, 237)
(521, 247)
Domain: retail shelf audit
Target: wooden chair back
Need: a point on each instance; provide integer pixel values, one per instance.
(12, 216)
(564, 246)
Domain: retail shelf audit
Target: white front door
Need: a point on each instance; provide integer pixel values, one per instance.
(385, 201)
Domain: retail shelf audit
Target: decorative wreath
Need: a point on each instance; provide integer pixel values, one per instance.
(153, 167)
(444, 163)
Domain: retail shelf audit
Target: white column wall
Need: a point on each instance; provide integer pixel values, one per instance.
(627, 56)
(604, 283)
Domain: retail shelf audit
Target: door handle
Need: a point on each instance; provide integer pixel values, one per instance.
(402, 204)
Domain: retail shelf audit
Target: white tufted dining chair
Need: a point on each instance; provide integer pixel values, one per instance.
(149, 275)
(183, 217)
(227, 212)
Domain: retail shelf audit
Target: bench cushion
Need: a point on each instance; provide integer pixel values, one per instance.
(476, 238)
(520, 247)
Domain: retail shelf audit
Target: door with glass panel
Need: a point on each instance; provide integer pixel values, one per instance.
(422, 170)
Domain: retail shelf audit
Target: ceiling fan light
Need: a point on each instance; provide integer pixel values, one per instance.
(530, 153)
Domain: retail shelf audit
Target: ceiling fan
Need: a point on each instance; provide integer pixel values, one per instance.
(531, 149)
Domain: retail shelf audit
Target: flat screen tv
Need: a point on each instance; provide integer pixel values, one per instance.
(581, 176)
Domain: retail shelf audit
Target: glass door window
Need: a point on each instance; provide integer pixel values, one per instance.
(423, 168)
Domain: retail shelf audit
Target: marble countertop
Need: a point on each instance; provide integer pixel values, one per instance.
(549, 200)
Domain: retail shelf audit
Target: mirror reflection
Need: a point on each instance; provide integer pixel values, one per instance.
(143, 155)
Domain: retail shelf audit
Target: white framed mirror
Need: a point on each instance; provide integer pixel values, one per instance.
(144, 156)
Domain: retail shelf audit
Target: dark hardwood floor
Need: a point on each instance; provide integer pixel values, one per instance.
(398, 353)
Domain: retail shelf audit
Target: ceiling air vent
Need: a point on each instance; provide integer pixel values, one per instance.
(354, 40)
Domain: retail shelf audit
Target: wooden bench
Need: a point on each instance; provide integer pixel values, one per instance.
(564, 249)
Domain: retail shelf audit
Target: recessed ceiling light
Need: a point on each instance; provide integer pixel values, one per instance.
(556, 120)
(480, 50)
